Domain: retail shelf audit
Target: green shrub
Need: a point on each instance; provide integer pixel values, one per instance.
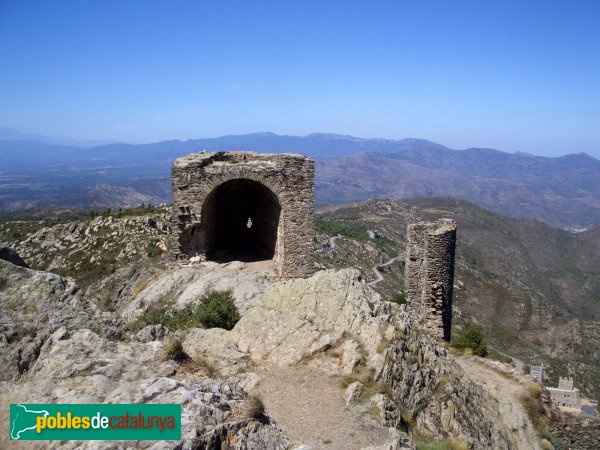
(399, 298)
(333, 228)
(471, 337)
(152, 249)
(216, 309)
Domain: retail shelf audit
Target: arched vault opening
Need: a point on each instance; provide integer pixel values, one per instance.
(240, 219)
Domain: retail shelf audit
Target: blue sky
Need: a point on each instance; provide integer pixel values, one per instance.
(517, 76)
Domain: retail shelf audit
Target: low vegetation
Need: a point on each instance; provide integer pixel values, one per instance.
(254, 407)
(471, 338)
(399, 298)
(173, 349)
(131, 211)
(533, 405)
(216, 309)
(334, 227)
(426, 443)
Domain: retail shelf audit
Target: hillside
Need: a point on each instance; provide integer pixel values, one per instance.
(358, 366)
(563, 192)
(119, 279)
(535, 289)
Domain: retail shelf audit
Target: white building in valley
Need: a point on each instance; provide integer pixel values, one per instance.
(565, 395)
(537, 372)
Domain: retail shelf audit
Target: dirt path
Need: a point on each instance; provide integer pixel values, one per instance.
(379, 278)
(507, 393)
(308, 406)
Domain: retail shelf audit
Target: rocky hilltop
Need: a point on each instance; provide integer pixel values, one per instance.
(322, 362)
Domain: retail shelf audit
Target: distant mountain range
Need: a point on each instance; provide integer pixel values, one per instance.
(563, 191)
(8, 134)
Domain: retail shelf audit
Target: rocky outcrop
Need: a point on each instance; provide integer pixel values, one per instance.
(182, 285)
(35, 304)
(331, 321)
(301, 320)
(576, 432)
(83, 367)
(335, 322)
(212, 347)
(88, 250)
(430, 392)
(10, 255)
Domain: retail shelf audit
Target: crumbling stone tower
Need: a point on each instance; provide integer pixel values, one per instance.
(429, 273)
(245, 206)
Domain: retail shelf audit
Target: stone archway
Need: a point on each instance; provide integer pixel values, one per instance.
(240, 219)
(244, 205)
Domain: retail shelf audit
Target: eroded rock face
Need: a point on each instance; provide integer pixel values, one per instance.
(301, 319)
(577, 432)
(84, 367)
(325, 319)
(332, 321)
(35, 304)
(431, 393)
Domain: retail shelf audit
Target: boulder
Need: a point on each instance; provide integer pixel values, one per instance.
(10, 255)
(353, 391)
(301, 319)
(151, 333)
(212, 347)
(185, 285)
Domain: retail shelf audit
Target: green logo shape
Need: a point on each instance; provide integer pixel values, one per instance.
(84, 422)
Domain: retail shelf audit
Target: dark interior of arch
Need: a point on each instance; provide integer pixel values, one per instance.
(240, 218)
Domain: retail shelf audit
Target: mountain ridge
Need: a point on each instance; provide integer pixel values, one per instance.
(562, 191)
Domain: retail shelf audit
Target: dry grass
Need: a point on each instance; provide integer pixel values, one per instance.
(201, 366)
(374, 388)
(349, 379)
(254, 407)
(425, 443)
(533, 405)
(173, 350)
(534, 390)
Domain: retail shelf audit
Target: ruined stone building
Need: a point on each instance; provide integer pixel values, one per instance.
(245, 206)
(429, 273)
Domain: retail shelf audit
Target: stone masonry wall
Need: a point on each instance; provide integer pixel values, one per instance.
(429, 273)
(289, 177)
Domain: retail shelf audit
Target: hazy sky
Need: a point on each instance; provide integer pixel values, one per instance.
(521, 75)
